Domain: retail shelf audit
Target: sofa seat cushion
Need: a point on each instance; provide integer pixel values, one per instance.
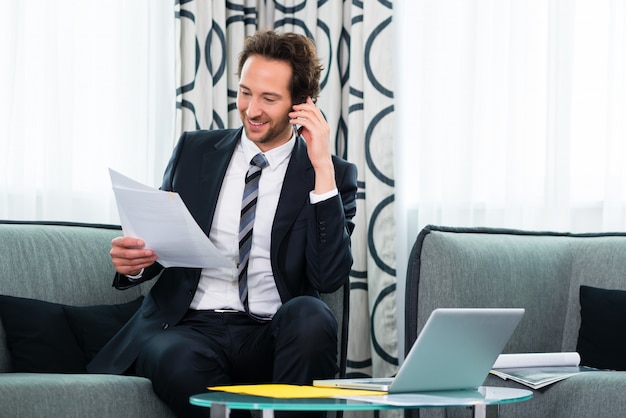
(45, 337)
(79, 395)
(598, 394)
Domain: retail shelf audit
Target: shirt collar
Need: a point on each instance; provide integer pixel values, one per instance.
(274, 157)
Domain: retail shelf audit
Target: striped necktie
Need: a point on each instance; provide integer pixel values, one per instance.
(248, 209)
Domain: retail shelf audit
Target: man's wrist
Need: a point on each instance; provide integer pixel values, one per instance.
(133, 277)
(316, 198)
(324, 178)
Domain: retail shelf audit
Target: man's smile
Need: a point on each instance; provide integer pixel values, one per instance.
(256, 124)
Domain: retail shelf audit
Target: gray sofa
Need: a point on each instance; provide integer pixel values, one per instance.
(65, 264)
(69, 265)
(539, 271)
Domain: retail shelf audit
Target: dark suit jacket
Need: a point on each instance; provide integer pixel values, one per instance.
(310, 247)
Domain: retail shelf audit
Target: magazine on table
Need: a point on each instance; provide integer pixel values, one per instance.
(537, 370)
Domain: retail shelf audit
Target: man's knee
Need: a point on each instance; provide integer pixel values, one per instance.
(308, 319)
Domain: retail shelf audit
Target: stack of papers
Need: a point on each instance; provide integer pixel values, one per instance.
(164, 223)
(537, 370)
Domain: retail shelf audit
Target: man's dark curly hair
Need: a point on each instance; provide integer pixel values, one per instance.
(294, 49)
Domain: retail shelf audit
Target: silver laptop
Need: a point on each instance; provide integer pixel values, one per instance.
(454, 351)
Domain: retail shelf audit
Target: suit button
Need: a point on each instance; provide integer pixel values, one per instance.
(165, 325)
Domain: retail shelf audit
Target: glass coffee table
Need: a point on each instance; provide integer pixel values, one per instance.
(486, 397)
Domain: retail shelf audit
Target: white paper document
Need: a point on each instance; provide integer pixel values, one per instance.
(507, 361)
(164, 223)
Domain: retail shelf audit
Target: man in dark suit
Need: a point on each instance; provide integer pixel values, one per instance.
(196, 328)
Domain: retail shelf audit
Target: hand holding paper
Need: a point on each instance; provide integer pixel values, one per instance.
(163, 222)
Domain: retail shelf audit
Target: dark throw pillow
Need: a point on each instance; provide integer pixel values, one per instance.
(45, 337)
(601, 338)
(39, 337)
(94, 326)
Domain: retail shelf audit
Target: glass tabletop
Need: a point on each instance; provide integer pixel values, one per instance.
(485, 395)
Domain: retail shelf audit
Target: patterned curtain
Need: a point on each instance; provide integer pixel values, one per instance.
(354, 40)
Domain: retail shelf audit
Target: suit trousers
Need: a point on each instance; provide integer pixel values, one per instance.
(209, 348)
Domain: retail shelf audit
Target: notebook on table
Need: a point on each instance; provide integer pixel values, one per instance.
(455, 350)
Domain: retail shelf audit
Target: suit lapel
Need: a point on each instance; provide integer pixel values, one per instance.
(214, 164)
(299, 181)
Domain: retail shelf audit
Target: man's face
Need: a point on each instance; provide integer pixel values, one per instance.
(264, 101)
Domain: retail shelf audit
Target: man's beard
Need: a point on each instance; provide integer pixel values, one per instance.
(273, 133)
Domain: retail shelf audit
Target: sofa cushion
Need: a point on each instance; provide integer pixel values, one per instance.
(601, 338)
(38, 337)
(47, 395)
(94, 326)
(47, 337)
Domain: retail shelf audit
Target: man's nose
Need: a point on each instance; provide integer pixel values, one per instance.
(254, 108)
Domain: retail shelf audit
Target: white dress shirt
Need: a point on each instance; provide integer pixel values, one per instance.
(219, 287)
